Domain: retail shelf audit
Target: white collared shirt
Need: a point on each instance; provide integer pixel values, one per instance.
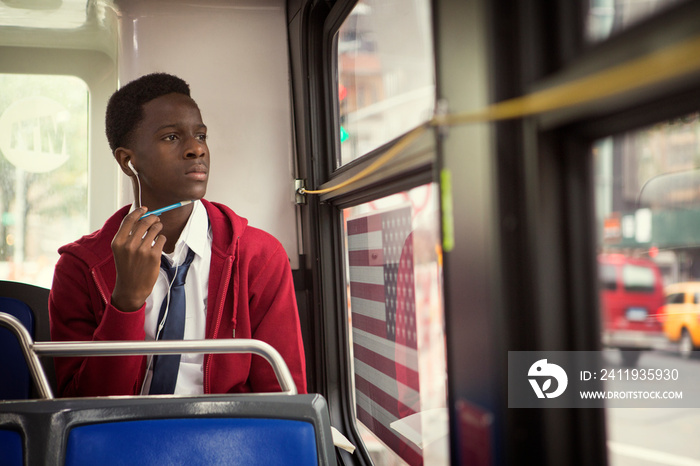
(197, 236)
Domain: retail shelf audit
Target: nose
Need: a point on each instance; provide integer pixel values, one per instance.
(195, 147)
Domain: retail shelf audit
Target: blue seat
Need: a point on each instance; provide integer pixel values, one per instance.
(14, 374)
(37, 300)
(213, 429)
(193, 441)
(246, 429)
(11, 448)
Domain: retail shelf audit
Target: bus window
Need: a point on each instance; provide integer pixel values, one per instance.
(394, 275)
(43, 172)
(56, 14)
(607, 17)
(647, 192)
(386, 83)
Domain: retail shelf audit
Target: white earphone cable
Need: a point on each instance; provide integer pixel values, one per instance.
(139, 183)
(161, 324)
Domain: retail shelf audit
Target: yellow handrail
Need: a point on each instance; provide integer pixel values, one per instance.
(662, 65)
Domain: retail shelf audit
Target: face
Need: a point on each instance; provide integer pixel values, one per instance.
(169, 150)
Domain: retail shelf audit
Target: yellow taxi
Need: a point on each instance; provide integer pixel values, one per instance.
(681, 316)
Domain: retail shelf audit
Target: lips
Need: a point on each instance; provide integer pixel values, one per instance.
(197, 172)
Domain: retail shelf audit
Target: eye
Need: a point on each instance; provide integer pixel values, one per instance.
(202, 137)
(170, 137)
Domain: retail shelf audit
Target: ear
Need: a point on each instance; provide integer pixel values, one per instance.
(123, 156)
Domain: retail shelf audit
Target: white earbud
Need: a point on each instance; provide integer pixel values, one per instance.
(138, 180)
(131, 165)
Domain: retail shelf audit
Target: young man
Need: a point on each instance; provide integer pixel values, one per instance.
(110, 285)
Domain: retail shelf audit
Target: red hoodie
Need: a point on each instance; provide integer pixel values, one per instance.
(251, 294)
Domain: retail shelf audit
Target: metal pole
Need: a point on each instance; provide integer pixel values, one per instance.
(128, 348)
(25, 342)
(32, 351)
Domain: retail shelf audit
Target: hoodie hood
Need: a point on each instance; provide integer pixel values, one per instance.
(226, 227)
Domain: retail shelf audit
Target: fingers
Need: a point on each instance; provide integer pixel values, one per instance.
(131, 219)
(135, 234)
(151, 236)
(137, 248)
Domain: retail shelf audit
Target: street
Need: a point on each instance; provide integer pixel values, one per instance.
(649, 436)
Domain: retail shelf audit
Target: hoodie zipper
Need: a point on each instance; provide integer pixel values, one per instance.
(99, 287)
(220, 311)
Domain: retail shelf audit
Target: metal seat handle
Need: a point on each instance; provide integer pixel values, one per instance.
(32, 350)
(25, 342)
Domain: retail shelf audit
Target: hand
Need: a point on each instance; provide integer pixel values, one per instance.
(137, 248)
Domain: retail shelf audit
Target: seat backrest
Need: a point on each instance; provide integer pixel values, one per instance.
(11, 448)
(213, 429)
(37, 298)
(14, 374)
(225, 440)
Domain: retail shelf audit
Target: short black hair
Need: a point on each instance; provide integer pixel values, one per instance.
(125, 107)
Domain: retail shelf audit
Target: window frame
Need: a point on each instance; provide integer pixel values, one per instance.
(540, 215)
(408, 170)
(338, 15)
(547, 159)
(322, 214)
